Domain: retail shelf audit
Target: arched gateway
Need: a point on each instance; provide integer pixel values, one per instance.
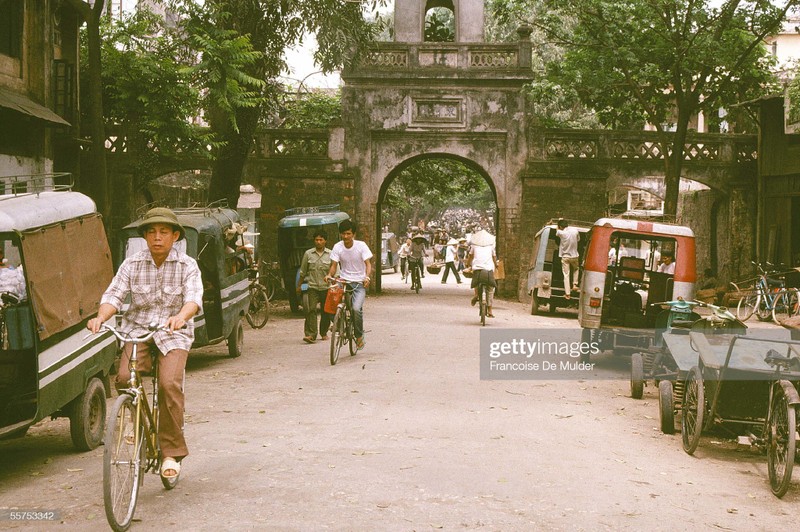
(461, 99)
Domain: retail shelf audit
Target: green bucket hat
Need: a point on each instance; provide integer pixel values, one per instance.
(161, 215)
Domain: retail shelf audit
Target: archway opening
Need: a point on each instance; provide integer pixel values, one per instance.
(445, 197)
(440, 21)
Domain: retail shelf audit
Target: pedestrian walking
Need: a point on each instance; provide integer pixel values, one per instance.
(451, 248)
(568, 252)
(314, 267)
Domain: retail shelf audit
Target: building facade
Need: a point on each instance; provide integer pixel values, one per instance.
(39, 113)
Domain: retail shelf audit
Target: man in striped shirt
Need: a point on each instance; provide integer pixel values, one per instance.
(165, 287)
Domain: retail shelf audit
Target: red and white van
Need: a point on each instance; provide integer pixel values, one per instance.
(624, 274)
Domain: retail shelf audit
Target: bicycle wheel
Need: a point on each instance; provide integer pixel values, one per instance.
(694, 408)
(764, 307)
(482, 303)
(337, 335)
(123, 463)
(270, 288)
(351, 333)
(780, 442)
(785, 306)
(747, 306)
(258, 311)
(417, 279)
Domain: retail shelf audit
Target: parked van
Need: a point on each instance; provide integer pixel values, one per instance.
(545, 277)
(622, 281)
(57, 264)
(215, 239)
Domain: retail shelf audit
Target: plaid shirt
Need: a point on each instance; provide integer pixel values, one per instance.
(156, 294)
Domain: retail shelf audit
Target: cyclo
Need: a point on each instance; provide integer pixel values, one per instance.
(296, 236)
(214, 238)
(46, 370)
(621, 287)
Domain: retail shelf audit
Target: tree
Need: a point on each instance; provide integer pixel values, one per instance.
(147, 92)
(663, 61)
(240, 83)
(94, 179)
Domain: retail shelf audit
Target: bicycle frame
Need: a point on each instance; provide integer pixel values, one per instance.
(137, 390)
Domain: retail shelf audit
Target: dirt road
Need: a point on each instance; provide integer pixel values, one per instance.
(405, 436)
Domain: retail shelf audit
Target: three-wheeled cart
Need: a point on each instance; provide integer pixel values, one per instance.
(748, 385)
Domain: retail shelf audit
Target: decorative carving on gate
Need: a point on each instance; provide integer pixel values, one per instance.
(571, 148)
(437, 111)
(387, 59)
(299, 146)
(492, 59)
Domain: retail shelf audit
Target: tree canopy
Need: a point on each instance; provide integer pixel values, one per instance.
(659, 62)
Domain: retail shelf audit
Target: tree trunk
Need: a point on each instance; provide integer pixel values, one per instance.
(673, 164)
(228, 168)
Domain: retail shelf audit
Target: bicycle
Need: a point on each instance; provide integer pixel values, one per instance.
(483, 296)
(342, 326)
(132, 445)
(770, 300)
(258, 309)
(415, 266)
(272, 279)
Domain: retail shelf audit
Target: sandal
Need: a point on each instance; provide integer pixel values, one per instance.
(308, 339)
(324, 338)
(170, 464)
(360, 343)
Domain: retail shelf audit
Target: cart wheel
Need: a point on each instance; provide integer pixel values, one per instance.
(637, 376)
(535, 302)
(781, 442)
(693, 410)
(666, 407)
(235, 340)
(586, 339)
(87, 416)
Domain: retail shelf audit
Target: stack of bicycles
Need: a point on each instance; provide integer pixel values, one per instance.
(768, 297)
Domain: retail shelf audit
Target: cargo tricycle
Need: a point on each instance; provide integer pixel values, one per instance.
(747, 385)
(56, 266)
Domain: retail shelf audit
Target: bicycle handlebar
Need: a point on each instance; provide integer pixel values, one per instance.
(152, 329)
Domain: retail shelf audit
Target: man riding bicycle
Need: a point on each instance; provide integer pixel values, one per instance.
(416, 255)
(353, 258)
(483, 261)
(165, 287)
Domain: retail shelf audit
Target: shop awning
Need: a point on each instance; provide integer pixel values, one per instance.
(23, 104)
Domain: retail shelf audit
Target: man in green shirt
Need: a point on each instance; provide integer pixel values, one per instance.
(313, 269)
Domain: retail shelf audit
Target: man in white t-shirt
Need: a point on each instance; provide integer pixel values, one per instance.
(568, 252)
(352, 257)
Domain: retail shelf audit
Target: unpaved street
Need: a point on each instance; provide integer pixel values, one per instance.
(405, 436)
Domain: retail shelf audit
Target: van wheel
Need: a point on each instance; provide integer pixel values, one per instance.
(87, 416)
(235, 340)
(535, 302)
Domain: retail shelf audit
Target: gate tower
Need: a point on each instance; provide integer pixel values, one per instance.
(410, 99)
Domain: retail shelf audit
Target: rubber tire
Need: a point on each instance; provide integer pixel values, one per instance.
(785, 306)
(692, 422)
(351, 335)
(637, 376)
(586, 339)
(482, 304)
(535, 302)
(779, 481)
(336, 335)
(746, 307)
(666, 407)
(258, 296)
(87, 416)
(123, 401)
(236, 340)
(762, 313)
